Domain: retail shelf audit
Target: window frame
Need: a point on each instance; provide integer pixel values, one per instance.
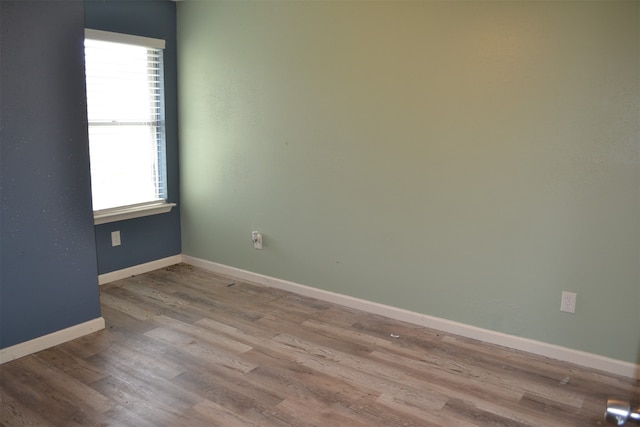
(138, 210)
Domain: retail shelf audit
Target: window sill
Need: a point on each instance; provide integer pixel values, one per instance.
(129, 212)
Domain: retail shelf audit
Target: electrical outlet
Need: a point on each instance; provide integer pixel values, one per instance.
(256, 238)
(568, 303)
(115, 238)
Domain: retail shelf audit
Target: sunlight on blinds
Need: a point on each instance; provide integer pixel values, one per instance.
(125, 106)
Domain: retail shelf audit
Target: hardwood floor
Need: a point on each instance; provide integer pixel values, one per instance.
(184, 347)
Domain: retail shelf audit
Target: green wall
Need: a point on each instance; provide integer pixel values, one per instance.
(466, 160)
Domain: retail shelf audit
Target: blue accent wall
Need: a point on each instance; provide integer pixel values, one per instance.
(48, 270)
(155, 237)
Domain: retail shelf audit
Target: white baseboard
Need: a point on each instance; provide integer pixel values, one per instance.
(578, 357)
(139, 269)
(42, 343)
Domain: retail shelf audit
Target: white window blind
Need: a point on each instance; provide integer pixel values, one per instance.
(125, 106)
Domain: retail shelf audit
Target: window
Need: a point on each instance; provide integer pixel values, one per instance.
(125, 107)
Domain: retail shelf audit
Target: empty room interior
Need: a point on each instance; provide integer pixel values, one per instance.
(411, 213)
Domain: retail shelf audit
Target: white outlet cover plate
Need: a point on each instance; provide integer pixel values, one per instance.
(256, 237)
(568, 302)
(115, 238)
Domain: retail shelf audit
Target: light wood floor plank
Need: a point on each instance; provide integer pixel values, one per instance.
(184, 347)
